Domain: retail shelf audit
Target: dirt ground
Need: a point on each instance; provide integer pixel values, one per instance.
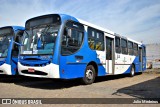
(145, 85)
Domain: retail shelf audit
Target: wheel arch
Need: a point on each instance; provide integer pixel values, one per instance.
(94, 64)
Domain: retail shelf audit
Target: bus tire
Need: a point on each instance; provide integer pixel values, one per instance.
(132, 72)
(89, 76)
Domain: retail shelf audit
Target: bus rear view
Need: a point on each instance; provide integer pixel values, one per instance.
(8, 49)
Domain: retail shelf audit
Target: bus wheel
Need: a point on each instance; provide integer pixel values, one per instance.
(89, 76)
(132, 72)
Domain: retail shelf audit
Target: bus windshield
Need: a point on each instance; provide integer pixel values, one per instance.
(4, 44)
(40, 40)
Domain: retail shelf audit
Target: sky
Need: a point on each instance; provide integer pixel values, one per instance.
(136, 19)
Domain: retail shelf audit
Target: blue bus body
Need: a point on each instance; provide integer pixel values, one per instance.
(79, 47)
(9, 51)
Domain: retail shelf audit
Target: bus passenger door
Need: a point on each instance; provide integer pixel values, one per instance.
(140, 59)
(109, 55)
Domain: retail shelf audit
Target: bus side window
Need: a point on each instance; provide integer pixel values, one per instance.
(72, 38)
(91, 35)
(100, 41)
(124, 46)
(130, 48)
(95, 39)
(118, 46)
(135, 47)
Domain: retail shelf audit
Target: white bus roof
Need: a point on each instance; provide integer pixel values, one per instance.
(134, 41)
(105, 30)
(95, 26)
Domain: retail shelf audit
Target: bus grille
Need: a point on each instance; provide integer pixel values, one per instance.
(35, 65)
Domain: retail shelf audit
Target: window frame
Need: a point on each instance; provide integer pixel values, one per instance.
(90, 31)
(82, 30)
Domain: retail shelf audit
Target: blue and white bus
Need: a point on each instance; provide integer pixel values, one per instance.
(9, 50)
(62, 46)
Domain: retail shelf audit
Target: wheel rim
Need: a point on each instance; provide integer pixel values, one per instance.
(89, 74)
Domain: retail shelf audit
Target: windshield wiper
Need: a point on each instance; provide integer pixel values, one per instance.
(46, 29)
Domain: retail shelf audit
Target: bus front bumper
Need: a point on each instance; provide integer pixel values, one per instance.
(5, 69)
(49, 71)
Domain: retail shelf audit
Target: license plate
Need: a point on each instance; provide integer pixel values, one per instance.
(31, 70)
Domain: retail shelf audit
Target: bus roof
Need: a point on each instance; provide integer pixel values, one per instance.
(65, 17)
(15, 28)
(95, 26)
(134, 41)
(18, 28)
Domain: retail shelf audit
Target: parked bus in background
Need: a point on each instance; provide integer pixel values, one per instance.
(9, 50)
(62, 46)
